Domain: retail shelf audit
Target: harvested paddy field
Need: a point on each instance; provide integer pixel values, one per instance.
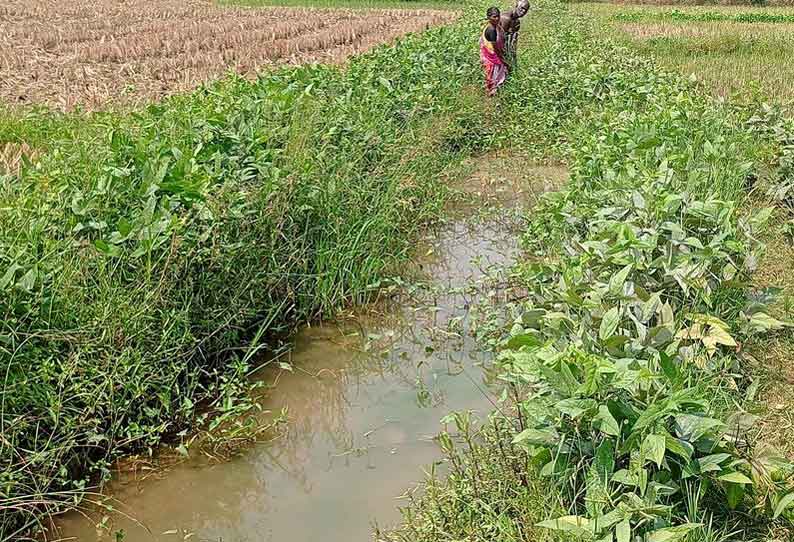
(70, 53)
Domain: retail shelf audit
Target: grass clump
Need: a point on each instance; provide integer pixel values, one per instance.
(147, 257)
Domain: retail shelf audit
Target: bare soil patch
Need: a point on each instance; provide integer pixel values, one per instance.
(508, 179)
(66, 53)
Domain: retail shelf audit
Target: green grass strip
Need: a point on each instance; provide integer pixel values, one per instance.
(676, 15)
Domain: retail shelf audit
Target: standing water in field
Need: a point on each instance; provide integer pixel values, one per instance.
(364, 401)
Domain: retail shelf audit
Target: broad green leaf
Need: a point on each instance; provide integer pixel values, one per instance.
(616, 343)
(532, 318)
(618, 280)
(692, 428)
(734, 493)
(608, 424)
(651, 307)
(761, 322)
(577, 525)
(576, 407)
(597, 494)
(606, 521)
(782, 504)
(660, 336)
(678, 447)
(604, 462)
(667, 318)
(735, 478)
(28, 280)
(542, 436)
(623, 531)
(672, 534)
(9, 275)
(653, 448)
(655, 411)
(624, 477)
(669, 368)
(107, 249)
(712, 463)
(525, 339)
(609, 324)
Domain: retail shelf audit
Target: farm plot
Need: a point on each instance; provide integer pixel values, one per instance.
(740, 51)
(70, 53)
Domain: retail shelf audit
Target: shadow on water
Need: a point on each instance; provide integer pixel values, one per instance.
(364, 399)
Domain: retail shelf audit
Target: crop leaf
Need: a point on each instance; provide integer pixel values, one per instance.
(761, 322)
(782, 504)
(651, 307)
(678, 447)
(735, 478)
(608, 423)
(576, 525)
(734, 494)
(618, 280)
(543, 436)
(576, 407)
(653, 448)
(525, 339)
(609, 324)
(691, 427)
(672, 534)
(623, 531)
(712, 463)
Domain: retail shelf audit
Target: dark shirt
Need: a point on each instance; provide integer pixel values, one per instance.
(490, 34)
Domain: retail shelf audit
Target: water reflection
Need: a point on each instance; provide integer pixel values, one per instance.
(364, 400)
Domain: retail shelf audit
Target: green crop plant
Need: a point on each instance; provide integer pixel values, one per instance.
(677, 15)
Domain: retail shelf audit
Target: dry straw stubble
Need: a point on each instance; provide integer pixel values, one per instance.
(66, 53)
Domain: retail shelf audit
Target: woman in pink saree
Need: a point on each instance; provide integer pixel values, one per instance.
(492, 52)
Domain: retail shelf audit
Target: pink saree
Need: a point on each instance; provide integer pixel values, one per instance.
(495, 69)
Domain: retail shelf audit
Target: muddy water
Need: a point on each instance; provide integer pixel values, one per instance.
(364, 400)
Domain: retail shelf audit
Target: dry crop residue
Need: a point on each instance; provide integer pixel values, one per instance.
(70, 52)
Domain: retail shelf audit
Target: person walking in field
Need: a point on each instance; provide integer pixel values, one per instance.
(492, 52)
(510, 21)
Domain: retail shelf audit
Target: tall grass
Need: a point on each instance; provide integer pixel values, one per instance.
(144, 255)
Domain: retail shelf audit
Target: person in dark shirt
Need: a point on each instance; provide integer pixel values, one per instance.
(492, 52)
(510, 21)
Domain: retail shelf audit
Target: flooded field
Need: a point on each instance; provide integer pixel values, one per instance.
(365, 399)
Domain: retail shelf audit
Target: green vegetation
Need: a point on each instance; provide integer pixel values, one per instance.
(703, 16)
(631, 412)
(738, 52)
(148, 258)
